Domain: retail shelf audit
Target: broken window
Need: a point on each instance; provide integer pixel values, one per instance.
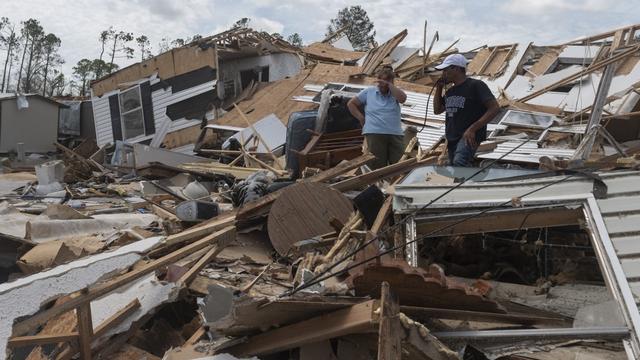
(131, 113)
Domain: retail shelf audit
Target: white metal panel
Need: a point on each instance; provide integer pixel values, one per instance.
(102, 120)
(626, 245)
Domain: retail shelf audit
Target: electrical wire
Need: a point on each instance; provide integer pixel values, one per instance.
(319, 279)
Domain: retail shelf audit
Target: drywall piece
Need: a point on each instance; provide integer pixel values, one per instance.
(270, 128)
(25, 296)
(218, 305)
(45, 255)
(40, 231)
(144, 155)
(149, 291)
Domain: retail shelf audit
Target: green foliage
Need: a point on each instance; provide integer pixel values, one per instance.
(357, 26)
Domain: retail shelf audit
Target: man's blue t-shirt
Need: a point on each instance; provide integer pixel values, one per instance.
(381, 112)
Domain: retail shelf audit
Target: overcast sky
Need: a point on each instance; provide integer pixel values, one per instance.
(475, 22)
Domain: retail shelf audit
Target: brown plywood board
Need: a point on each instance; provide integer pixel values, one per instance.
(304, 210)
(192, 58)
(545, 62)
(476, 63)
(327, 52)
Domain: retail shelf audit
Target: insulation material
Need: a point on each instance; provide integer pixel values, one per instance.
(24, 296)
(41, 231)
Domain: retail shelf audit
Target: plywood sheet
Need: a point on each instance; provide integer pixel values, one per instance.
(303, 211)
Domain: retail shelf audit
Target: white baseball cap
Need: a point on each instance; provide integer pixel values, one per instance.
(453, 59)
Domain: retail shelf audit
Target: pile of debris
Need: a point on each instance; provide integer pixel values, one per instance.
(226, 215)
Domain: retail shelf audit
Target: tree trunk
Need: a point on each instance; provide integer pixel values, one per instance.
(102, 50)
(6, 62)
(24, 52)
(113, 52)
(28, 76)
(46, 72)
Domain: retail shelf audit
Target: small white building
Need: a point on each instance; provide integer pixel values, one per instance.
(145, 102)
(30, 119)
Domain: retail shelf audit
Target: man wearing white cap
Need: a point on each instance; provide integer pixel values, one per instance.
(470, 106)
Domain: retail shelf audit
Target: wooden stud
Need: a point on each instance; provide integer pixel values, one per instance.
(20, 341)
(266, 145)
(389, 341)
(85, 329)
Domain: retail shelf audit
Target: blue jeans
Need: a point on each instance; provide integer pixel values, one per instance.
(460, 153)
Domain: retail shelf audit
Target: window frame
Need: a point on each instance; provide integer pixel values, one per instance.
(139, 108)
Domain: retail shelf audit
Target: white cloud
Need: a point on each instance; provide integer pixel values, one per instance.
(268, 25)
(476, 23)
(537, 7)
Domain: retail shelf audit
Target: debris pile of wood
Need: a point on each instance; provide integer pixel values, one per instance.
(274, 239)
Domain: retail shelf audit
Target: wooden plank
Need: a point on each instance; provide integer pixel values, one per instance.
(304, 210)
(33, 322)
(20, 341)
(503, 221)
(217, 223)
(253, 128)
(204, 260)
(359, 318)
(102, 329)
(389, 341)
(116, 318)
(382, 173)
(85, 329)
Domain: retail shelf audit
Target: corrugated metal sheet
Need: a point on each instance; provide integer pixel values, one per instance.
(528, 153)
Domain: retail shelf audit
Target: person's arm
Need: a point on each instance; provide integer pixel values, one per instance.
(354, 105)
(490, 102)
(397, 93)
(438, 103)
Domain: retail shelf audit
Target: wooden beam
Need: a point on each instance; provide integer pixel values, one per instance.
(507, 220)
(253, 128)
(197, 231)
(116, 318)
(359, 318)
(20, 341)
(85, 329)
(36, 320)
(382, 173)
(389, 341)
(102, 329)
(204, 260)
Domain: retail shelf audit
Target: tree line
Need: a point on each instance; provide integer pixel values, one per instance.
(32, 60)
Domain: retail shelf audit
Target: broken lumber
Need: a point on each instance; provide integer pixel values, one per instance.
(223, 237)
(359, 318)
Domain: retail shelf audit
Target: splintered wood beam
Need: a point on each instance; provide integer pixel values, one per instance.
(253, 128)
(389, 340)
(205, 259)
(85, 330)
(356, 319)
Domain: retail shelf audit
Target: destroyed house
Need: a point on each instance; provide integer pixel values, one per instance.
(177, 89)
